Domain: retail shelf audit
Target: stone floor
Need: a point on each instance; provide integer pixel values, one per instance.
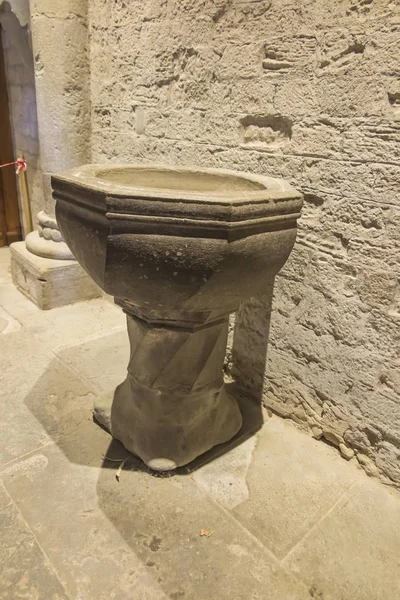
(290, 519)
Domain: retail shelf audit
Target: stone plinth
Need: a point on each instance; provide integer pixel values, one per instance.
(50, 283)
(179, 249)
(44, 269)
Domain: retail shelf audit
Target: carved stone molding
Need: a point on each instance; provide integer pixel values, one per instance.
(47, 241)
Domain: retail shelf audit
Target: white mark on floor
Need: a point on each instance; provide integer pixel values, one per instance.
(225, 478)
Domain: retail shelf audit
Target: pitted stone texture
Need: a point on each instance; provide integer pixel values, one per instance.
(179, 249)
(27, 573)
(304, 91)
(172, 407)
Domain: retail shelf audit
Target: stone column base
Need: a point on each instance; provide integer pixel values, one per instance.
(173, 406)
(50, 283)
(252, 414)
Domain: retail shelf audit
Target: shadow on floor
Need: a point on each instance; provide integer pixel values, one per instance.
(161, 520)
(63, 406)
(160, 517)
(252, 421)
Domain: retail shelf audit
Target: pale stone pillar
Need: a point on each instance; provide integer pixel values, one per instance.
(62, 75)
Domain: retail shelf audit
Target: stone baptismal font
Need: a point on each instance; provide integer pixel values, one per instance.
(179, 249)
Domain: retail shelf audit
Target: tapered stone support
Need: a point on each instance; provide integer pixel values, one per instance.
(172, 406)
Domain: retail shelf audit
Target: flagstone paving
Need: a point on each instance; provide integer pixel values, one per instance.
(283, 516)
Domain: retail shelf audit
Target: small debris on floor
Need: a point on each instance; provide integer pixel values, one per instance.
(206, 532)
(119, 470)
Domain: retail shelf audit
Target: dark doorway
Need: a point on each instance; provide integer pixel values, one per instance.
(10, 225)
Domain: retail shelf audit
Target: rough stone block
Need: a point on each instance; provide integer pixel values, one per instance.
(50, 283)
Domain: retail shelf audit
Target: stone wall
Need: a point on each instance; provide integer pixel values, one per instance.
(20, 77)
(306, 90)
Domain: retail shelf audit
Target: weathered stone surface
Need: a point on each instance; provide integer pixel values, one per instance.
(170, 409)
(49, 402)
(18, 306)
(5, 499)
(47, 241)
(62, 87)
(179, 249)
(50, 282)
(294, 472)
(58, 500)
(322, 554)
(47, 247)
(100, 361)
(20, 432)
(162, 526)
(58, 118)
(304, 91)
(25, 572)
(89, 321)
(224, 479)
(7, 323)
(139, 537)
